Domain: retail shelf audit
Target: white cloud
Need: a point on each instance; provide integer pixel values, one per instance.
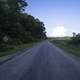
(59, 31)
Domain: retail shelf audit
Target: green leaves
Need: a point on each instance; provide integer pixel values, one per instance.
(19, 26)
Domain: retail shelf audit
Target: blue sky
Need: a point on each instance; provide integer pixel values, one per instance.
(56, 14)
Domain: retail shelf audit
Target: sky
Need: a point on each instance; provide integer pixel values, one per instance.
(61, 17)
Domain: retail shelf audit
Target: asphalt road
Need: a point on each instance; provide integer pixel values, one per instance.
(42, 62)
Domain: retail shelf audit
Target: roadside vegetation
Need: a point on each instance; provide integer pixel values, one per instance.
(71, 45)
(12, 49)
(17, 27)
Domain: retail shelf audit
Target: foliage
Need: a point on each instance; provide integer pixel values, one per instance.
(17, 27)
(75, 39)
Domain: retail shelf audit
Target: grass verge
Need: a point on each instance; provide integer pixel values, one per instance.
(15, 48)
(75, 50)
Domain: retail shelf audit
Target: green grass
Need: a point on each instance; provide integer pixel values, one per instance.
(11, 49)
(74, 49)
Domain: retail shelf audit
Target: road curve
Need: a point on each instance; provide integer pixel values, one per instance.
(42, 62)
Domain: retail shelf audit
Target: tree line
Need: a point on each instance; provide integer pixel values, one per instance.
(16, 26)
(75, 40)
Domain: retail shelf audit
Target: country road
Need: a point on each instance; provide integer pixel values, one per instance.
(42, 62)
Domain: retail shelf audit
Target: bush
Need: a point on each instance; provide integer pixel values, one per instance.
(5, 47)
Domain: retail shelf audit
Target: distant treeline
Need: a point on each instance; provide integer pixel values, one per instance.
(16, 26)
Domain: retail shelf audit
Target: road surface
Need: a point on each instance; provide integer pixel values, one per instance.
(42, 62)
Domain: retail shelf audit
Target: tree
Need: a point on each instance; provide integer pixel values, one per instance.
(76, 39)
(74, 34)
(17, 25)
